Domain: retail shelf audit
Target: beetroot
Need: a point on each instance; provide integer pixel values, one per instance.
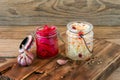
(47, 42)
(46, 31)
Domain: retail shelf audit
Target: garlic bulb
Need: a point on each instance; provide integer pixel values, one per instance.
(61, 61)
(25, 59)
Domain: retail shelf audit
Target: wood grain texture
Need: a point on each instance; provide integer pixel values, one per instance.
(59, 12)
(104, 32)
(19, 73)
(109, 57)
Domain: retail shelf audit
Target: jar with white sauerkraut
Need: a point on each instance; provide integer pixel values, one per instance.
(79, 43)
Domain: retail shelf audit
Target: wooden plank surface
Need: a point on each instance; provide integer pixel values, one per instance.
(12, 36)
(60, 12)
(105, 62)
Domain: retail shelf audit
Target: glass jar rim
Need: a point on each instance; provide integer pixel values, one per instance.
(49, 36)
(70, 28)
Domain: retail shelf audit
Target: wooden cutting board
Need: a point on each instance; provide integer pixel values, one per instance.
(105, 59)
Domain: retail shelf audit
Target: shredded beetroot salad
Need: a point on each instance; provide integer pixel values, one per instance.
(46, 41)
(46, 31)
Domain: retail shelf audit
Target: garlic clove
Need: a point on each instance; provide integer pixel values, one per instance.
(19, 58)
(30, 55)
(28, 61)
(23, 62)
(61, 61)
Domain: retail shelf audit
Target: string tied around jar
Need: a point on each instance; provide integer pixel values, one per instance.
(81, 35)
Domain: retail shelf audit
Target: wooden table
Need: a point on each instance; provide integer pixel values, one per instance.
(11, 36)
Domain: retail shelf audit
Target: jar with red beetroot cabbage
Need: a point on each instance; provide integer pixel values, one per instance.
(46, 42)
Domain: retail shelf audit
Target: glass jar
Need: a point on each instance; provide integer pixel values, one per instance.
(79, 40)
(46, 43)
